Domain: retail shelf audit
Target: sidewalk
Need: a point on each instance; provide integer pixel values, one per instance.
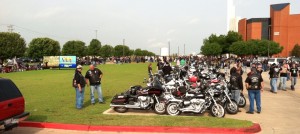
(280, 112)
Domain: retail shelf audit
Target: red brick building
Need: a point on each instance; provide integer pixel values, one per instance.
(281, 27)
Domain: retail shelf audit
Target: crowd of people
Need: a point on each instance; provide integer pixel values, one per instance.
(254, 82)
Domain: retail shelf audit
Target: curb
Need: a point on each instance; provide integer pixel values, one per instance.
(253, 129)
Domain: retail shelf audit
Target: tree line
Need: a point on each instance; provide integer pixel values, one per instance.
(12, 44)
(233, 43)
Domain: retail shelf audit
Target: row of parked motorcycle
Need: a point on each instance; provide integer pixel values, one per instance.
(192, 89)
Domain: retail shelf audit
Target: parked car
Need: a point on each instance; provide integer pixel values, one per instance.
(12, 105)
(295, 59)
(276, 61)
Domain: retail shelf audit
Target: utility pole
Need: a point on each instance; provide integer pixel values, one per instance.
(96, 34)
(10, 28)
(184, 49)
(123, 46)
(268, 50)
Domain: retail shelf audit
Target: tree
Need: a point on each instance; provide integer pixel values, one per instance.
(239, 48)
(275, 48)
(252, 47)
(106, 51)
(225, 41)
(138, 52)
(73, 47)
(11, 45)
(119, 50)
(131, 52)
(255, 47)
(230, 38)
(94, 48)
(211, 49)
(296, 51)
(40, 47)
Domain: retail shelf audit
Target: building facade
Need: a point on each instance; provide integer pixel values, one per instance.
(282, 27)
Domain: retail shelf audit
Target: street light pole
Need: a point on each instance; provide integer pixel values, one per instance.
(268, 49)
(123, 46)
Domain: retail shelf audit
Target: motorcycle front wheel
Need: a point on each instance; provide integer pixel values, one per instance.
(231, 108)
(120, 109)
(172, 109)
(160, 108)
(217, 111)
(242, 102)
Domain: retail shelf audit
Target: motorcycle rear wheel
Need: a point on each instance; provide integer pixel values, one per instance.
(242, 102)
(231, 108)
(160, 108)
(217, 111)
(172, 109)
(120, 109)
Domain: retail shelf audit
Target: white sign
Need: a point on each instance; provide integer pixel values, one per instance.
(276, 33)
(164, 51)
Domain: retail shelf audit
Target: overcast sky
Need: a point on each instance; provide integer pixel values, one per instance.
(145, 24)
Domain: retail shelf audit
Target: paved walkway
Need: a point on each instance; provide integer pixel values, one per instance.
(280, 114)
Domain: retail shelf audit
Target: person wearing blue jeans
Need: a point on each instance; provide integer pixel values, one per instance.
(254, 85)
(294, 75)
(98, 89)
(274, 73)
(94, 76)
(283, 77)
(79, 85)
(79, 97)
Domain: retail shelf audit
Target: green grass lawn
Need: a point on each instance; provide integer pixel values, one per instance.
(50, 97)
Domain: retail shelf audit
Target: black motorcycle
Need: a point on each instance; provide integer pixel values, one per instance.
(140, 98)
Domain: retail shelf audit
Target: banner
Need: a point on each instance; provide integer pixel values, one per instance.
(51, 61)
(60, 61)
(67, 61)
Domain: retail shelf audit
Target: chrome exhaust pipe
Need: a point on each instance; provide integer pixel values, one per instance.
(126, 106)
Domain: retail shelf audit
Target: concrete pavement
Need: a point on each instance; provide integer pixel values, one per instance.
(280, 112)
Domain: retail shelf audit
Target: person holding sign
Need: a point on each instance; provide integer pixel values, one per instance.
(93, 76)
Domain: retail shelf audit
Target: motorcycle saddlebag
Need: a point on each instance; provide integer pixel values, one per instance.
(119, 99)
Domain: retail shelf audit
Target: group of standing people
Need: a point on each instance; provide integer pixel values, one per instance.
(93, 78)
(284, 73)
(254, 81)
(253, 84)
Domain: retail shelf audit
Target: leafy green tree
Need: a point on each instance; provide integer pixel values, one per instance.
(239, 48)
(40, 47)
(76, 48)
(230, 38)
(119, 50)
(106, 51)
(225, 41)
(94, 48)
(252, 47)
(11, 45)
(131, 52)
(211, 49)
(138, 52)
(296, 51)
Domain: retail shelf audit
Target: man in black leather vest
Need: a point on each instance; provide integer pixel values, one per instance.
(254, 85)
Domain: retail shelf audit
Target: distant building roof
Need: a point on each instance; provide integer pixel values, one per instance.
(258, 20)
(279, 7)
